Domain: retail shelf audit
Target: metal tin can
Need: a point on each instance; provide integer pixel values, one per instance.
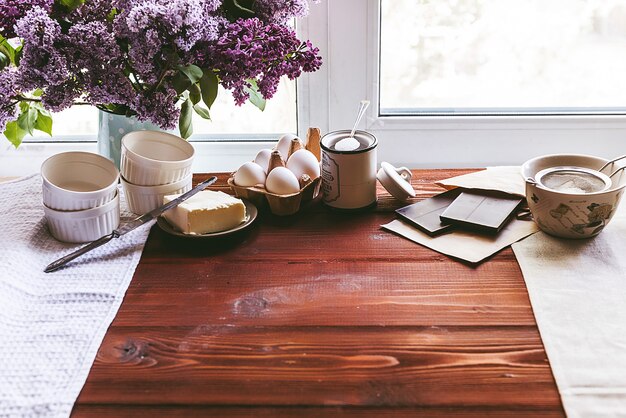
(349, 177)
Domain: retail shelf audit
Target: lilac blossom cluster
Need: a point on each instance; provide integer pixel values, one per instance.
(7, 104)
(280, 11)
(12, 10)
(250, 49)
(127, 56)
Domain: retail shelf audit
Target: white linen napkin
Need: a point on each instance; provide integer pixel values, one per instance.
(51, 325)
(578, 293)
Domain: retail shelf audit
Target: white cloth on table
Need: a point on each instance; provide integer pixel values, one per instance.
(51, 325)
(578, 293)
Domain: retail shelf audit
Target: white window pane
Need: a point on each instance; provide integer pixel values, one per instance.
(464, 56)
(279, 116)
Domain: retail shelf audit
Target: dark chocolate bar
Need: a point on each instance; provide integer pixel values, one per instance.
(481, 212)
(425, 214)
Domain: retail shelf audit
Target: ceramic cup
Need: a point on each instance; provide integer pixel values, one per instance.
(152, 158)
(143, 199)
(75, 181)
(84, 225)
(566, 214)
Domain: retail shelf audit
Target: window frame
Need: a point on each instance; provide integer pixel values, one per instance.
(347, 33)
(352, 63)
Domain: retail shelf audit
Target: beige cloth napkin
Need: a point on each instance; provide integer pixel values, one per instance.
(578, 293)
(470, 246)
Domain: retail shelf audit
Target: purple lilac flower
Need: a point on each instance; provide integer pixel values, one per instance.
(42, 63)
(155, 28)
(103, 40)
(92, 45)
(280, 11)
(159, 108)
(211, 6)
(8, 84)
(12, 10)
(250, 49)
(92, 10)
(58, 97)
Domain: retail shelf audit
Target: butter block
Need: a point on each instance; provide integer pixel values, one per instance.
(206, 212)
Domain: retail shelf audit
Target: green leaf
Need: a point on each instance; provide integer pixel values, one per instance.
(203, 112)
(181, 83)
(184, 123)
(27, 120)
(238, 8)
(194, 94)
(14, 133)
(255, 96)
(4, 60)
(7, 49)
(44, 123)
(40, 108)
(112, 15)
(37, 93)
(209, 84)
(71, 4)
(193, 73)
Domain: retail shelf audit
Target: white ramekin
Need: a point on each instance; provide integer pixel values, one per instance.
(84, 225)
(78, 180)
(142, 199)
(152, 158)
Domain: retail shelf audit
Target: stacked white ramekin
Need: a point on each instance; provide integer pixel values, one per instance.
(153, 165)
(80, 196)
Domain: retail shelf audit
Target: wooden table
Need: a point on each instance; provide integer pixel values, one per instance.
(321, 314)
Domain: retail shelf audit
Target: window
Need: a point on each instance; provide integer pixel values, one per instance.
(228, 120)
(454, 114)
(233, 136)
(502, 57)
(355, 61)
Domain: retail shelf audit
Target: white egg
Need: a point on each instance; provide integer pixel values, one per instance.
(283, 145)
(249, 174)
(263, 158)
(282, 181)
(304, 162)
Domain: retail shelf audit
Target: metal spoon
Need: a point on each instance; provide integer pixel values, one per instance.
(362, 108)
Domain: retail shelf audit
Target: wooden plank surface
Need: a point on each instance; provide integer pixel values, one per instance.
(321, 314)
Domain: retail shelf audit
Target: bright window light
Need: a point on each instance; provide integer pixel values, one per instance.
(503, 57)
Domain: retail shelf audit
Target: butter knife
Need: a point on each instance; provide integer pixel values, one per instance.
(134, 224)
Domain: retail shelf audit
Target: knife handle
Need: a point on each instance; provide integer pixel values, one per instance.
(92, 245)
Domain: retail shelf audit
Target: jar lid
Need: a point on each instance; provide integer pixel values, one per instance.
(396, 181)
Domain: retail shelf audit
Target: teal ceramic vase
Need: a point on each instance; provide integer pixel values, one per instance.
(111, 129)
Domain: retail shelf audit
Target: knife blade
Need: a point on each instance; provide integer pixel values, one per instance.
(132, 225)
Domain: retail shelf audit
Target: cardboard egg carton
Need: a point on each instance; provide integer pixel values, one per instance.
(289, 204)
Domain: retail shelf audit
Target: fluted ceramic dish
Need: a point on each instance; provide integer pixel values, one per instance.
(75, 181)
(84, 225)
(142, 199)
(152, 158)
